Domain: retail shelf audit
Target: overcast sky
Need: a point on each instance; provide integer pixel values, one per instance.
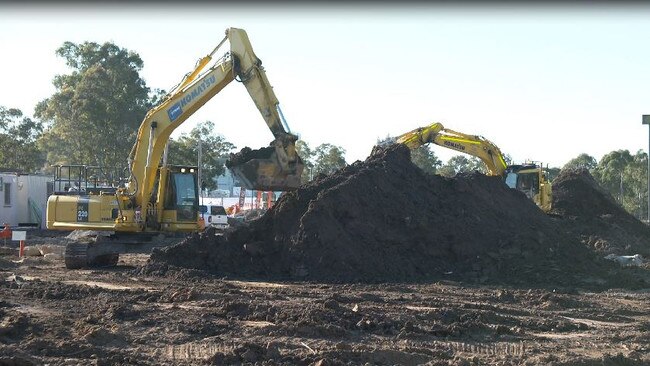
(544, 83)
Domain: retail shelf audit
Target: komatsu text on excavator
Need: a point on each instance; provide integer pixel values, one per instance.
(528, 178)
(159, 198)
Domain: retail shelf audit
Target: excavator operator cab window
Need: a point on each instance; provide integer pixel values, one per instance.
(187, 203)
(511, 180)
(528, 183)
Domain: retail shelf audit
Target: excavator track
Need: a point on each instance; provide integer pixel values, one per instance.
(105, 260)
(82, 255)
(76, 255)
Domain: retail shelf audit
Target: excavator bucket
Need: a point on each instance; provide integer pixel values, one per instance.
(261, 170)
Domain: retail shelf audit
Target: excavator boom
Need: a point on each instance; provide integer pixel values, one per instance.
(526, 178)
(278, 168)
(473, 145)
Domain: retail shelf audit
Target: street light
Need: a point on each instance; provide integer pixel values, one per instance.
(646, 121)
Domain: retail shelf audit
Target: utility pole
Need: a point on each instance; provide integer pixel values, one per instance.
(198, 173)
(646, 121)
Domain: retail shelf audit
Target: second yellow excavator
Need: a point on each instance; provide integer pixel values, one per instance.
(528, 178)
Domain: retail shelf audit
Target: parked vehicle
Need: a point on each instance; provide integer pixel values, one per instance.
(214, 216)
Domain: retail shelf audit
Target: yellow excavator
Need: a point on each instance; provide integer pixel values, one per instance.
(160, 198)
(528, 178)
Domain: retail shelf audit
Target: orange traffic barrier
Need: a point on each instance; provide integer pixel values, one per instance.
(6, 232)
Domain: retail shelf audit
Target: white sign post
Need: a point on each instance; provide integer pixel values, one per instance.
(22, 236)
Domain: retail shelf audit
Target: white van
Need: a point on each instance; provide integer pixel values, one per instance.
(214, 216)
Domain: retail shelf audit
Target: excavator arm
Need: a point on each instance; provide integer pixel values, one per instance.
(161, 198)
(469, 144)
(275, 168)
(515, 176)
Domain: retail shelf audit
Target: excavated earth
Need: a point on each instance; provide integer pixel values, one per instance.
(385, 220)
(593, 215)
(377, 264)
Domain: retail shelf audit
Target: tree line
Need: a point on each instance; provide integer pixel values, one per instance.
(94, 114)
(623, 174)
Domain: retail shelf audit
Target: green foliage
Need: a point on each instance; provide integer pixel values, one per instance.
(552, 173)
(625, 177)
(635, 185)
(507, 158)
(18, 135)
(424, 158)
(214, 152)
(609, 171)
(307, 156)
(461, 164)
(581, 161)
(94, 115)
(328, 158)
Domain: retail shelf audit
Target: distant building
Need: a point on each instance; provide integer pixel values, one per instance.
(23, 199)
(226, 182)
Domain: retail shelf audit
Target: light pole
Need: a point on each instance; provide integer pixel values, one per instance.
(646, 121)
(198, 173)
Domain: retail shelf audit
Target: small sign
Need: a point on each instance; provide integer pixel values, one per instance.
(19, 235)
(175, 111)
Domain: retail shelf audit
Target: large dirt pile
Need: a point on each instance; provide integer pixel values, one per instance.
(591, 213)
(384, 219)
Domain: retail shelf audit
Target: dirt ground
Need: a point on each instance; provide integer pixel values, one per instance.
(451, 271)
(50, 315)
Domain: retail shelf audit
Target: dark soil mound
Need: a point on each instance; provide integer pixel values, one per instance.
(591, 213)
(383, 220)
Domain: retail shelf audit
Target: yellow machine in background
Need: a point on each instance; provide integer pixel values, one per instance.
(158, 197)
(528, 178)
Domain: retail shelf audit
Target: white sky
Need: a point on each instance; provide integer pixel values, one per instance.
(542, 82)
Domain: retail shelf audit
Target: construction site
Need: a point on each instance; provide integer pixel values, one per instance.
(462, 271)
(376, 263)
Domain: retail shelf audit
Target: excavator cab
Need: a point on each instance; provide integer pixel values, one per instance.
(530, 179)
(524, 178)
(262, 169)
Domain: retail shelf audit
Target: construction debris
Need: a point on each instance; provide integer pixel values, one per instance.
(626, 260)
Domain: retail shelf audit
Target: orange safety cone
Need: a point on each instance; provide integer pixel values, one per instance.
(5, 233)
